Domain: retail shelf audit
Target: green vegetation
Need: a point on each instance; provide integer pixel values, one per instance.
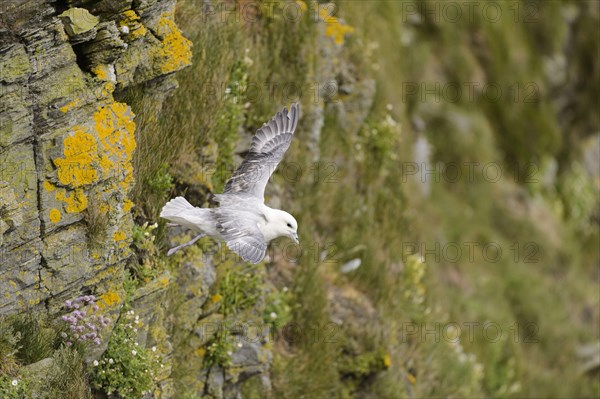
(96, 221)
(149, 262)
(239, 288)
(67, 377)
(28, 341)
(9, 347)
(13, 388)
(126, 368)
(278, 310)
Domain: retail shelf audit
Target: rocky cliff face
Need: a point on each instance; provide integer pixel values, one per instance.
(66, 144)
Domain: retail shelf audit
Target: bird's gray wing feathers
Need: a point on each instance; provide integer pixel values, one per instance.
(269, 145)
(239, 228)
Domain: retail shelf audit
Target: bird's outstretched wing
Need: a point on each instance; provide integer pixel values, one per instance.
(269, 145)
(239, 228)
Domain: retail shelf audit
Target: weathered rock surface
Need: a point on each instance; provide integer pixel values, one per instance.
(66, 144)
(66, 147)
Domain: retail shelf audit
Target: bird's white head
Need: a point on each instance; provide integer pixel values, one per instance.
(284, 225)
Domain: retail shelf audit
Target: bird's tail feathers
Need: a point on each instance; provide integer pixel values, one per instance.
(180, 211)
(175, 207)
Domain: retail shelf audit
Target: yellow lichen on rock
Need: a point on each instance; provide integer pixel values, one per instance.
(105, 72)
(76, 169)
(75, 200)
(119, 236)
(108, 149)
(175, 51)
(66, 108)
(48, 186)
(131, 21)
(127, 205)
(109, 299)
(54, 215)
(107, 89)
(116, 132)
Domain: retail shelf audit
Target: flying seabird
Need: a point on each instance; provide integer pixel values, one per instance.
(242, 219)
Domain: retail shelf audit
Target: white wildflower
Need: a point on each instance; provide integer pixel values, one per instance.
(273, 315)
(14, 383)
(95, 363)
(154, 349)
(134, 352)
(110, 361)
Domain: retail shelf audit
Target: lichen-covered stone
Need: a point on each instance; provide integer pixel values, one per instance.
(195, 281)
(20, 286)
(78, 21)
(10, 215)
(250, 358)
(20, 213)
(66, 261)
(14, 64)
(215, 382)
(36, 374)
(66, 145)
(145, 305)
(15, 114)
(205, 330)
(105, 48)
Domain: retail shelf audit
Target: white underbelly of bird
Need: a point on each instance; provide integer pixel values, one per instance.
(242, 219)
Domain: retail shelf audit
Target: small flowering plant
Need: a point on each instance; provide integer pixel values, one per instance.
(84, 325)
(278, 311)
(13, 388)
(126, 368)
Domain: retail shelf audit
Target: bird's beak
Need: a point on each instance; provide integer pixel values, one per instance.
(294, 237)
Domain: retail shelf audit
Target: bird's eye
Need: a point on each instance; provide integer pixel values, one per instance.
(289, 225)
